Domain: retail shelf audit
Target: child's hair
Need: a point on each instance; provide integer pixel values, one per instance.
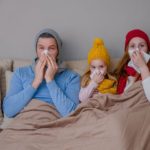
(120, 67)
(85, 78)
(125, 59)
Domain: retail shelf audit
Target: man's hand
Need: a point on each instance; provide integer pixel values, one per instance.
(52, 68)
(39, 71)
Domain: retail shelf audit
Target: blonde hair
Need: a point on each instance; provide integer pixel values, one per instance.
(85, 79)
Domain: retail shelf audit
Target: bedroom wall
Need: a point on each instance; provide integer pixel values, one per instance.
(77, 22)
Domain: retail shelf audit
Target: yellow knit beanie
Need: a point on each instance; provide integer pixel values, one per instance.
(98, 51)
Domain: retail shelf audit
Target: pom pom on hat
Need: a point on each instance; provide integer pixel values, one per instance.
(98, 51)
(98, 42)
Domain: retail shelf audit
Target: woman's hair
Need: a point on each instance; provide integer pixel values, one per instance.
(120, 67)
(85, 79)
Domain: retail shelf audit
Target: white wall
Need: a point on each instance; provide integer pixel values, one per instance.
(77, 22)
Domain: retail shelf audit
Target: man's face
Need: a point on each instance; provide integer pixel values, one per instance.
(47, 44)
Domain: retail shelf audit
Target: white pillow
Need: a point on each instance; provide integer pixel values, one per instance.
(79, 66)
(6, 64)
(6, 120)
(20, 63)
(8, 75)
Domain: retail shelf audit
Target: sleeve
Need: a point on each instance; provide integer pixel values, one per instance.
(146, 87)
(86, 92)
(17, 97)
(65, 101)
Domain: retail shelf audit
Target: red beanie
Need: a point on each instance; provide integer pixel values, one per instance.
(137, 33)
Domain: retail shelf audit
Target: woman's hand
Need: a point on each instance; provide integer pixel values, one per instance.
(138, 59)
(39, 71)
(52, 68)
(98, 78)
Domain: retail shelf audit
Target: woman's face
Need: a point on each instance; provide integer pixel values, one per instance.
(138, 44)
(47, 44)
(99, 65)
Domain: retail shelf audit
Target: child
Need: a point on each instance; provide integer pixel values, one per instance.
(97, 79)
(134, 65)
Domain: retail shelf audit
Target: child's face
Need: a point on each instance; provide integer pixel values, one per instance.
(138, 44)
(98, 65)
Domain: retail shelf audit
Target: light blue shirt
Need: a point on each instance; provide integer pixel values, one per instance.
(62, 92)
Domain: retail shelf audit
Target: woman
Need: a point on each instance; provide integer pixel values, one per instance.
(134, 65)
(44, 80)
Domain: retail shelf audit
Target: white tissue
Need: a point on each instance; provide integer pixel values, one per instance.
(131, 64)
(146, 57)
(45, 52)
(96, 71)
(131, 50)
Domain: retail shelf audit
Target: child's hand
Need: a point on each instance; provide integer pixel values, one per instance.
(95, 91)
(98, 78)
(138, 59)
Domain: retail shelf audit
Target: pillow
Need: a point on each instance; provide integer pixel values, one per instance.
(8, 75)
(1, 115)
(9, 65)
(6, 64)
(21, 62)
(79, 66)
(113, 64)
(6, 120)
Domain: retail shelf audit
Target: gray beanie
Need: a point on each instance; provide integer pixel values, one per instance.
(59, 44)
(53, 33)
